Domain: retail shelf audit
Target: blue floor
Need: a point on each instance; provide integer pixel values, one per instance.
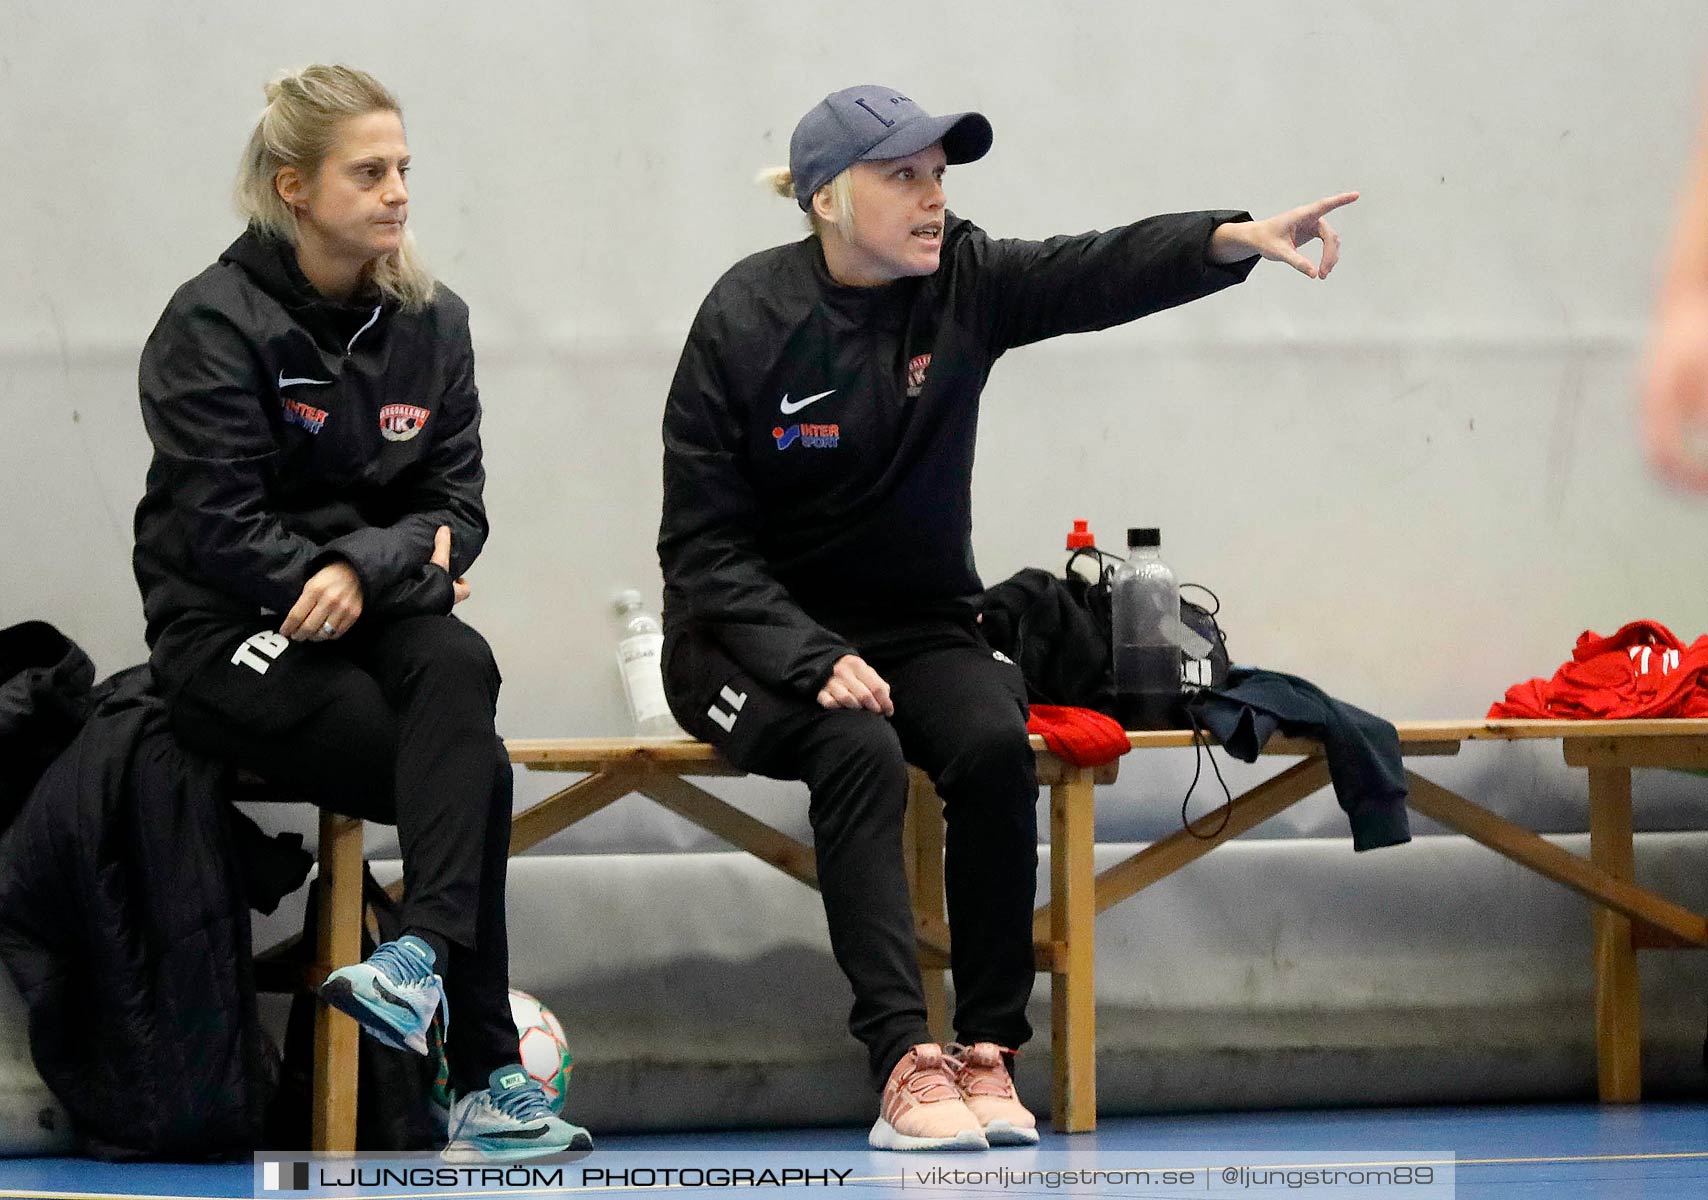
(1557, 1151)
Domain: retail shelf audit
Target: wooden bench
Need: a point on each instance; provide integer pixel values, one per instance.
(1626, 917)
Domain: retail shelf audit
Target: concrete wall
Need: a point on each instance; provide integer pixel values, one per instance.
(1415, 483)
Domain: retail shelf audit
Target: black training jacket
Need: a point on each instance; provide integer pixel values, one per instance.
(290, 430)
(818, 439)
(124, 922)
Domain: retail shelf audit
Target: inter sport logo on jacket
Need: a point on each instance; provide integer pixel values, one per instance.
(814, 437)
(400, 422)
(306, 415)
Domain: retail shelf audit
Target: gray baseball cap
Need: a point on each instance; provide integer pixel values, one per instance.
(867, 122)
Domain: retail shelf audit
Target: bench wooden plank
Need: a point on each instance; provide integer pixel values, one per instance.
(609, 754)
(1647, 937)
(1441, 732)
(1063, 928)
(338, 940)
(1517, 729)
(1162, 859)
(1531, 850)
(1674, 752)
(723, 820)
(592, 753)
(923, 844)
(680, 756)
(1618, 1008)
(1073, 980)
(560, 810)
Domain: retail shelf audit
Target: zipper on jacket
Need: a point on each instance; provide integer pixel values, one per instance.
(364, 328)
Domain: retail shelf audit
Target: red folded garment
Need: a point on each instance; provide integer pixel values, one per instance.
(1083, 736)
(1640, 671)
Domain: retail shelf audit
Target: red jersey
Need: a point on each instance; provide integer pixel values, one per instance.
(1641, 671)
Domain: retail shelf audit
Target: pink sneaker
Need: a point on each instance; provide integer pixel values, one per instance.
(922, 1108)
(985, 1085)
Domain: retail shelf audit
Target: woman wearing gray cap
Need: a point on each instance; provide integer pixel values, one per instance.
(820, 593)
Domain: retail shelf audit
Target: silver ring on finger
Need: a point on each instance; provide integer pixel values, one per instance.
(328, 630)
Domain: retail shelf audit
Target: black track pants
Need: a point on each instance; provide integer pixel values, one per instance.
(960, 714)
(393, 723)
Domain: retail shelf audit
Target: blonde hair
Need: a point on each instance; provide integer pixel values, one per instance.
(299, 128)
(782, 181)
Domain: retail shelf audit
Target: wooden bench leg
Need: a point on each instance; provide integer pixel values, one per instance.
(923, 841)
(1073, 917)
(338, 943)
(1618, 1010)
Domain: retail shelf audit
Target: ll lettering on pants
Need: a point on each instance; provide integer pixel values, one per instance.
(733, 698)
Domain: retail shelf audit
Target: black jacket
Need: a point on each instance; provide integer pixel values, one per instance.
(818, 439)
(125, 884)
(45, 683)
(290, 430)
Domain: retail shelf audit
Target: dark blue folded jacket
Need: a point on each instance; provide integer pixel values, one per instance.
(1363, 751)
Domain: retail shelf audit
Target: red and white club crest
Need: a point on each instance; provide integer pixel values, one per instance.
(916, 374)
(400, 422)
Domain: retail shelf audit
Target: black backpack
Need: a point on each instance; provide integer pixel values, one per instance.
(1057, 630)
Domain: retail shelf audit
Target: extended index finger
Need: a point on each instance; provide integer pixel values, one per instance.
(1329, 203)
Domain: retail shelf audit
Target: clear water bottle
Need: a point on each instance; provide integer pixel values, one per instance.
(1145, 614)
(640, 651)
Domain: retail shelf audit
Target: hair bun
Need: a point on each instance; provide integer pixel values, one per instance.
(779, 180)
(280, 84)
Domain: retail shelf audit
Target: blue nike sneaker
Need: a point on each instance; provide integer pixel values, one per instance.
(509, 1120)
(393, 995)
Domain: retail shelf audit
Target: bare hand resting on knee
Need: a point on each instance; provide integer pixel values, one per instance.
(853, 684)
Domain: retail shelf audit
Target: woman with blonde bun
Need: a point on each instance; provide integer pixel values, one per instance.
(820, 597)
(313, 503)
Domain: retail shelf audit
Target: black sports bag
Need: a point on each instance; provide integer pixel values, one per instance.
(1057, 630)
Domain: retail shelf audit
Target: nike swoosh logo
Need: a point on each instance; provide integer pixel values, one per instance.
(796, 407)
(519, 1135)
(391, 997)
(285, 383)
